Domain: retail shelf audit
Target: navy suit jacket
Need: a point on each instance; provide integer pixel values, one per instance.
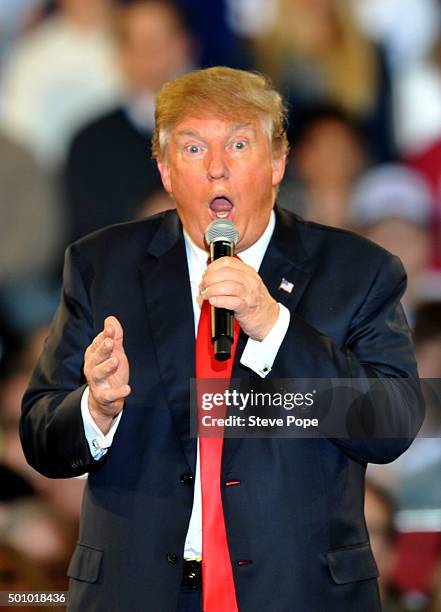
(297, 515)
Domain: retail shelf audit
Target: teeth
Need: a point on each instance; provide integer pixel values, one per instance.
(223, 214)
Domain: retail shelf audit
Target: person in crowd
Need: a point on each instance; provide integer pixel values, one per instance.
(379, 509)
(41, 534)
(418, 100)
(395, 556)
(109, 171)
(59, 76)
(31, 236)
(391, 205)
(408, 477)
(30, 226)
(409, 44)
(413, 480)
(316, 53)
(15, 18)
(327, 155)
(427, 338)
(416, 90)
(219, 42)
(19, 573)
(15, 369)
(12, 486)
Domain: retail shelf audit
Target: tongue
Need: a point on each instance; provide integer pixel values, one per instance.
(221, 205)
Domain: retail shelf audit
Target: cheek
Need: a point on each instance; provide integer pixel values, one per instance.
(257, 178)
(186, 182)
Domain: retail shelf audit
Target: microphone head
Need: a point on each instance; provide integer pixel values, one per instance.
(222, 229)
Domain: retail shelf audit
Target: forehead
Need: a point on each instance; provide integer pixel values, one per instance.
(154, 17)
(215, 126)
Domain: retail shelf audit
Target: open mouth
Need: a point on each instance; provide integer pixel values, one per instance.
(221, 207)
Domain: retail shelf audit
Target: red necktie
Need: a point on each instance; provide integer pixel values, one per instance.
(218, 591)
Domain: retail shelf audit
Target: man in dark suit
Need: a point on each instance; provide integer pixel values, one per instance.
(293, 508)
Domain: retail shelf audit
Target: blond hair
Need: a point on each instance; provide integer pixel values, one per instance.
(222, 92)
(329, 41)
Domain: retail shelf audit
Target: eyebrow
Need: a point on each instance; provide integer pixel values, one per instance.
(236, 127)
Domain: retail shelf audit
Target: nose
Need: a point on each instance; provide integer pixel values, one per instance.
(216, 166)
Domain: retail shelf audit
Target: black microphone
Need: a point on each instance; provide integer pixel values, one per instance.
(221, 236)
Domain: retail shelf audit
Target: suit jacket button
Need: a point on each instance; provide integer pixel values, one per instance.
(186, 480)
(172, 558)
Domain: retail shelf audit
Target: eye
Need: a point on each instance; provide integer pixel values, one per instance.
(193, 149)
(239, 145)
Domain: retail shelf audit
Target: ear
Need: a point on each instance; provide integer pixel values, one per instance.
(164, 171)
(278, 169)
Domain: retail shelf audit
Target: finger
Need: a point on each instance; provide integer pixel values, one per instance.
(230, 302)
(107, 332)
(229, 263)
(96, 342)
(109, 396)
(247, 277)
(117, 329)
(104, 369)
(225, 288)
(93, 361)
(101, 353)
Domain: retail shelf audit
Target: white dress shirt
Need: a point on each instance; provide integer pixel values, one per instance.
(259, 356)
(57, 78)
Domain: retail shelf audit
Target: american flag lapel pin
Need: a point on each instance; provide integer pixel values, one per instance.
(286, 285)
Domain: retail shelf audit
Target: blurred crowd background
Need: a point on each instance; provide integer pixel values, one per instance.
(362, 80)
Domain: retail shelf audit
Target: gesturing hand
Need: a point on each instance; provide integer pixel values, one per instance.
(106, 369)
(230, 283)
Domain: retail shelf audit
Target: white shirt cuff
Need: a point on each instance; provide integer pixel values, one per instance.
(99, 443)
(259, 356)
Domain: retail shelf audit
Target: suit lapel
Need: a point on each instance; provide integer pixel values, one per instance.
(286, 258)
(167, 293)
